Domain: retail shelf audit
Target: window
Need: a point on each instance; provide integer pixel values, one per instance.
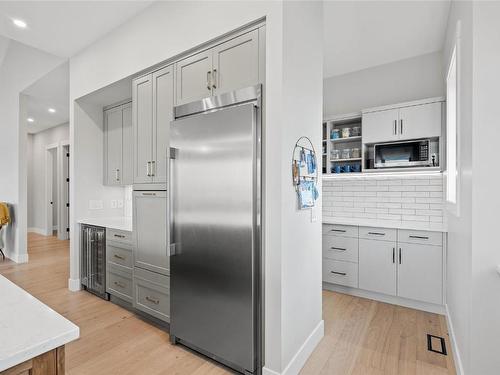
(452, 157)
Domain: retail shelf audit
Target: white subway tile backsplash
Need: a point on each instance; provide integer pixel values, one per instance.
(416, 198)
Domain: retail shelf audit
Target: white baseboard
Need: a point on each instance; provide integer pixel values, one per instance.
(394, 300)
(74, 285)
(299, 359)
(37, 231)
(17, 258)
(456, 353)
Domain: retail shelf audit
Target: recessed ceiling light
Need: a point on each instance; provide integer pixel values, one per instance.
(52, 110)
(19, 23)
(30, 119)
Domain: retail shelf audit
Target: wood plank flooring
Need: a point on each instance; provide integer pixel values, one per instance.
(361, 336)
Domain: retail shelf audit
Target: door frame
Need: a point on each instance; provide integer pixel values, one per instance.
(49, 175)
(62, 233)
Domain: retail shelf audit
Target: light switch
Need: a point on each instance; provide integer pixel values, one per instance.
(314, 214)
(120, 203)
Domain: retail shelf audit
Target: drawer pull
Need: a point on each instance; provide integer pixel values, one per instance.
(338, 230)
(419, 237)
(118, 284)
(154, 300)
(376, 233)
(339, 273)
(118, 256)
(338, 248)
(119, 235)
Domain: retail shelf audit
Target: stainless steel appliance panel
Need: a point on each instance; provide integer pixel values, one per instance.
(214, 219)
(93, 259)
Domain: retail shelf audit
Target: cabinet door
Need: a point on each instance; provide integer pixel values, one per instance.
(420, 272)
(377, 266)
(193, 77)
(127, 173)
(142, 122)
(150, 225)
(113, 146)
(236, 63)
(163, 103)
(420, 121)
(380, 126)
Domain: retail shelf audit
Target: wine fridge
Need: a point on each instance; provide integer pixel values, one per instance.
(93, 260)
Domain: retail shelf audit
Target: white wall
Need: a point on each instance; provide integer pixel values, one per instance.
(37, 196)
(410, 79)
(22, 65)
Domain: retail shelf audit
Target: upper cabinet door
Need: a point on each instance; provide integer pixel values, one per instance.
(113, 146)
(420, 121)
(236, 63)
(194, 77)
(163, 103)
(142, 122)
(381, 126)
(127, 174)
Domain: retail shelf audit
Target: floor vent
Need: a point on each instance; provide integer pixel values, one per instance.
(436, 344)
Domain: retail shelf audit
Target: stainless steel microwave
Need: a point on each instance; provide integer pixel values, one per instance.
(415, 153)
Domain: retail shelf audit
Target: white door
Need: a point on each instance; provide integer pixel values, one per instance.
(142, 122)
(377, 266)
(127, 172)
(150, 227)
(236, 63)
(194, 77)
(163, 103)
(113, 137)
(420, 121)
(420, 272)
(381, 126)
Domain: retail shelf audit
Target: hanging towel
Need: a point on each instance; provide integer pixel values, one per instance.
(4, 214)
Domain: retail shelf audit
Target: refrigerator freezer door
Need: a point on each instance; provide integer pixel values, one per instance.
(213, 202)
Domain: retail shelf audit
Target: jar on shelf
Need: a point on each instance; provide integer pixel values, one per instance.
(355, 131)
(356, 153)
(335, 134)
(346, 132)
(346, 153)
(335, 154)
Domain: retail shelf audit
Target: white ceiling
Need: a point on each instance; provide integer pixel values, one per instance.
(362, 34)
(63, 28)
(51, 91)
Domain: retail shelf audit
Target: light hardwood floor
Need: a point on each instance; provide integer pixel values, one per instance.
(361, 336)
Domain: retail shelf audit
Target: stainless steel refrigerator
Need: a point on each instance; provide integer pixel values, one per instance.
(215, 228)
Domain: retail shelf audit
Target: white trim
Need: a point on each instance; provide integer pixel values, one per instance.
(37, 230)
(299, 359)
(404, 104)
(15, 257)
(393, 300)
(74, 285)
(456, 353)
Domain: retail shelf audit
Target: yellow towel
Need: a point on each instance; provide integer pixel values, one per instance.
(4, 214)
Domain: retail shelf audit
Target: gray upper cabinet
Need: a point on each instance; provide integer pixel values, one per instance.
(118, 145)
(193, 77)
(236, 63)
(150, 228)
(142, 122)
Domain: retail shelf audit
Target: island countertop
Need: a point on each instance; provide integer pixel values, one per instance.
(28, 327)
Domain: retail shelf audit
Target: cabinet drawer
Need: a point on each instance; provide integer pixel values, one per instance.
(119, 282)
(340, 248)
(375, 233)
(342, 273)
(117, 235)
(340, 230)
(152, 294)
(420, 237)
(120, 254)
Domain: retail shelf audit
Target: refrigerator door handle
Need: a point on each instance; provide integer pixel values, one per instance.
(171, 240)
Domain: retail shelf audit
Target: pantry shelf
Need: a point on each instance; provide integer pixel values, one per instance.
(348, 139)
(344, 160)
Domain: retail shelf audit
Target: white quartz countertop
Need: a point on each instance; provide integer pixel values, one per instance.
(28, 327)
(121, 222)
(411, 225)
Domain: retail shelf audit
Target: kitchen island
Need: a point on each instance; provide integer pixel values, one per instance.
(32, 335)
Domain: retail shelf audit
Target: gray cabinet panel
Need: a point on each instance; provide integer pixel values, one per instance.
(193, 76)
(152, 294)
(127, 174)
(142, 122)
(113, 145)
(150, 225)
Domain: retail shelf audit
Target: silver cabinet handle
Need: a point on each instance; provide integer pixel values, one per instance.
(339, 273)
(419, 237)
(376, 233)
(147, 169)
(400, 257)
(117, 175)
(209, 83)
(154, 300)
(214, 79)
(119, 235)
(118, 284)
(153, 168)
(401, 126)
(338, 248)
(338, 230)
(395, 127)
(146, 193)
(118, 257)
(393, 255)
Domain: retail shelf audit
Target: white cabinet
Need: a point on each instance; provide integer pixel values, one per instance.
(150, 228)
(402, 122)
(118, 145)
(420, 272)
(377, 266)
(228, 66)
(153, 101)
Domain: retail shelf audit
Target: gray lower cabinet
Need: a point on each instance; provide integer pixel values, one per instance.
(119, 264)
(119, 282)
(152, 293)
